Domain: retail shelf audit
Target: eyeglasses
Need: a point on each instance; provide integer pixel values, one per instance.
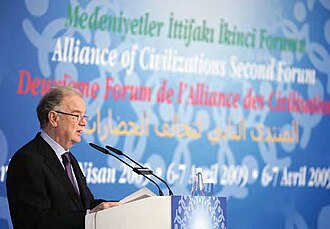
(78, 117)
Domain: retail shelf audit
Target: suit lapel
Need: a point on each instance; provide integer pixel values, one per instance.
(81, 180)
(57, 169)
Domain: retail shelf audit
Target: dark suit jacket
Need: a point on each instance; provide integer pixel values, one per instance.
(39, 192)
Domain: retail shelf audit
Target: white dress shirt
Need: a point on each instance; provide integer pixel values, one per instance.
(59, 151)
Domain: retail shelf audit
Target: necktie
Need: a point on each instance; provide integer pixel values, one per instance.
(68, 167)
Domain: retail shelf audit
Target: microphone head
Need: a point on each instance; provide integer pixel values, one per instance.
(99, 148)
(117, 151)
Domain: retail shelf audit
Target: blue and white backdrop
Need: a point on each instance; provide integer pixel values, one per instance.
(239, 88)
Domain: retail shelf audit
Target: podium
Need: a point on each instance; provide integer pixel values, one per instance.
(163, 212)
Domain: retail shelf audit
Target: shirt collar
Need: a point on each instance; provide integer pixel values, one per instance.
(59, 150)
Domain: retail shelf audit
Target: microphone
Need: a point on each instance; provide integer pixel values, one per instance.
(105, 151)
(141, 169)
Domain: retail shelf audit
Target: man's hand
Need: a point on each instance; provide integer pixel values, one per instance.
(104, 205)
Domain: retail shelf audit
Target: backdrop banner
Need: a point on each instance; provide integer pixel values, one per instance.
(239, 88)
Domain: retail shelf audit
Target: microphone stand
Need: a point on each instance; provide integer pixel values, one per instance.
(105, 151)
(141, 169)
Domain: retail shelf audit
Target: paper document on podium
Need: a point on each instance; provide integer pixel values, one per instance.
(138, 195)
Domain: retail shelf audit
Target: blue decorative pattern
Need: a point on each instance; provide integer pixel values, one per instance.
(198, 212)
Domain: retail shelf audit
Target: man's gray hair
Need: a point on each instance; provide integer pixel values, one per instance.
(52, 100)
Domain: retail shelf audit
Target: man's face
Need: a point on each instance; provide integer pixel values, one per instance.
(69, 129)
